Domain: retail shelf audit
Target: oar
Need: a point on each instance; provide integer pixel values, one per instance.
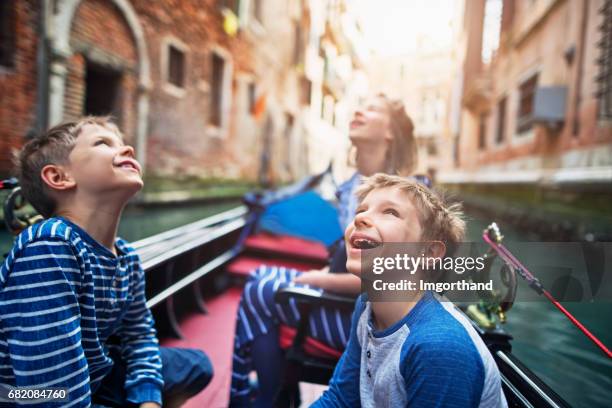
(493, 237)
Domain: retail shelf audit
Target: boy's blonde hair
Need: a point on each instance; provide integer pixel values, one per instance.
(52, 147)
(440, 222)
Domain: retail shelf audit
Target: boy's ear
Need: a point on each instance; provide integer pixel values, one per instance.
(436, 249)
(56, 177)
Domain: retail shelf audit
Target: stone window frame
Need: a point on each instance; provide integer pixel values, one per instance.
(516, 137)
(245, 81)
(248, 18)
(226, 91)
(482, 140)
(167, 42)
(497, 142)
(526, 98)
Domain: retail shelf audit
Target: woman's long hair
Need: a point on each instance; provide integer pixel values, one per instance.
(402, 151)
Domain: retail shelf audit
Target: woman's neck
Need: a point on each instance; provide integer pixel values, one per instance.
(371, 157)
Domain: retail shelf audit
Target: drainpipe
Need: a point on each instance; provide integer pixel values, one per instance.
(42, 73)
(580, 69)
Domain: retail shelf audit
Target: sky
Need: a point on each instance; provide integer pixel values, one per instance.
(391, 27)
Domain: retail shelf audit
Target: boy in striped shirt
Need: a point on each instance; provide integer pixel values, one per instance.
(69, 284)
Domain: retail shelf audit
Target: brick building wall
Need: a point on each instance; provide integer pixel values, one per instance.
(120, 52)
(179, 139)
(102, 41)
(182, 140)
(18, 90)
(557, 40)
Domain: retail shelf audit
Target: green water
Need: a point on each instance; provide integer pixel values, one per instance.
(543, 338)
(552, 347)
(137, 223)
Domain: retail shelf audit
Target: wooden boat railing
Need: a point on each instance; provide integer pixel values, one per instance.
(175, 261)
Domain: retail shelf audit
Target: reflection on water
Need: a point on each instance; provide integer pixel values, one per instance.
(138, 223)
(552, 347)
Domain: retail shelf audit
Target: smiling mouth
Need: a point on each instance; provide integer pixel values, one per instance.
(364, 243)
(128, 166)
(355, 123)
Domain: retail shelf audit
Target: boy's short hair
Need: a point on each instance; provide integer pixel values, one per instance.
(440, 222)
(52, 147)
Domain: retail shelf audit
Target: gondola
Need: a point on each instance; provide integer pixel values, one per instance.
(194, 276)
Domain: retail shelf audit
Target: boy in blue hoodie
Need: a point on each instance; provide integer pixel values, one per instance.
(69, 284)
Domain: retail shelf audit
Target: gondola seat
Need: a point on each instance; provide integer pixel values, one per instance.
(307, 359)
(288, 246)
(278, 250)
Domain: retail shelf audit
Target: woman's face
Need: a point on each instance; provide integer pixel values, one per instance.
(371, 122)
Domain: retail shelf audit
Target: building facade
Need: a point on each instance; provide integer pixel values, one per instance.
(422, 81)
(206, 88)
(539, 112)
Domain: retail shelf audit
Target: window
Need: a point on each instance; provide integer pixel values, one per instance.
(251, 97)
(328, 107)
(233, 5)
(491, 29)
(501, 121)
(456, 153)
(297, 46)
(604, 78)
(257, 10)
(482, 132)
(102, 91)
(432, 148)
(176, 66)
(216, 81)
(7, 33)
(289, 121)
(527, 91)
(305, 91)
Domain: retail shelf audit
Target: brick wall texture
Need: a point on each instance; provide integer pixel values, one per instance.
(179, 138)
(18, 84)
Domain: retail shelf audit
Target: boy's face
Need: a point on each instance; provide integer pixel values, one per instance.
(100, 163)
(384, 215)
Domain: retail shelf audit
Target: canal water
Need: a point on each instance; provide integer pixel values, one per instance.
(543, 338)
(551, 346)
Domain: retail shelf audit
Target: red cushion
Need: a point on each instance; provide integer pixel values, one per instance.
(312, 347)
(244, 265)
(288, 246)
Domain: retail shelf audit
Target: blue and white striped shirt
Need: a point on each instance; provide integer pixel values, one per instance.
(62, 294)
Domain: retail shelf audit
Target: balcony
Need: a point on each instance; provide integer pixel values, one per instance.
(478, 93)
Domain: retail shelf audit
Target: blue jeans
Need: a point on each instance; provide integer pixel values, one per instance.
(185, 371)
